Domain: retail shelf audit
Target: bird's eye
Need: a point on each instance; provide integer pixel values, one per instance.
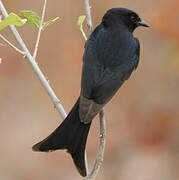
(133, 19)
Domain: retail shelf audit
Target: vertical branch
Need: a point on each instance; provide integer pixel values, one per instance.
(88, 16)
(100, 153)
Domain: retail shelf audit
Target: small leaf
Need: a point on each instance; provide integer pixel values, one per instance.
(45, 24)
(80, 20)
(32, 18)
(12, 19)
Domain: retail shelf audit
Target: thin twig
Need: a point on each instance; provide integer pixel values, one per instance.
(100, 153)
(11, 45)
(40, 30)
(83, 33)
(35, 66)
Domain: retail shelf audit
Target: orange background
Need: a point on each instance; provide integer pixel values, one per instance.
(142, 118)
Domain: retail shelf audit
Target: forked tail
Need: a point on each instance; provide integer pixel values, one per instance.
(71, 135)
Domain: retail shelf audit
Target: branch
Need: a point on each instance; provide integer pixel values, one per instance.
(35, 67)
(100, 153)
(40, 30)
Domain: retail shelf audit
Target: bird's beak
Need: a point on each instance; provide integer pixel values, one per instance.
(143, 23)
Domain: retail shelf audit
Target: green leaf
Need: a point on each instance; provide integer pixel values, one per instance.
(12, 19)
(45, 24)
(80, 20)
(32, 18)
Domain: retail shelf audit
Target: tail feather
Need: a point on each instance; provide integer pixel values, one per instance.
(71, 135)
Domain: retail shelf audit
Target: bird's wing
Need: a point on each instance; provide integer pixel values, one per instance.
(107, 64)
(114, 76)
(91, 72)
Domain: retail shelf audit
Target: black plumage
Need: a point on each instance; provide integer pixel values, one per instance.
(111, 54)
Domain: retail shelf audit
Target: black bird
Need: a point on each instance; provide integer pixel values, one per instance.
(111, 54)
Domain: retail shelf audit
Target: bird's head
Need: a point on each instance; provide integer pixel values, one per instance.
(123, 16)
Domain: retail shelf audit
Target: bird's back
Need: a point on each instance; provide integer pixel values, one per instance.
(110, 46)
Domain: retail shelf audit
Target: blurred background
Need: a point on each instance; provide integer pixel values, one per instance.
(142, 118)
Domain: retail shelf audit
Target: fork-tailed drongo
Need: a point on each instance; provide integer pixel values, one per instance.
(111, 54)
